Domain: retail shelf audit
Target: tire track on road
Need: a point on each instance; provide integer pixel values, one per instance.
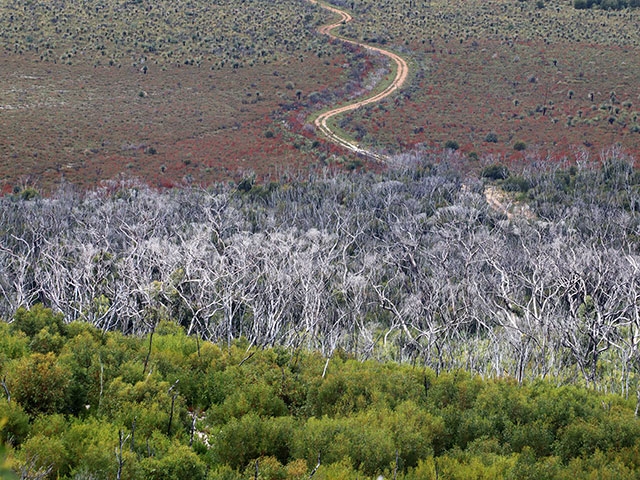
(402, 73)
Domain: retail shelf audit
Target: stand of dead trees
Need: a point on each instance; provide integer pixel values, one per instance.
(412, 265)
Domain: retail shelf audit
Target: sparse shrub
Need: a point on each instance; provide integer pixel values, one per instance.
(246, 183)
(29, 193)
(354, 164)
(495, 172)
(491, 138)
(451, 145)
(519, 146)
(315, 97)
(516, 183)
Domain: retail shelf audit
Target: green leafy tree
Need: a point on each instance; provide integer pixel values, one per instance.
(39, 383)
(31, 321)
(177, 463)
(14, 423)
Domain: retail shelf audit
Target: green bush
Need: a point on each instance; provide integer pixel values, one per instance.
(179, 463)
(14, 423)
(519, 146)
(491, 138)
(90, 445)
(32, 321)
(495, 172)
(451, 145)
(39, 383)
(516, 183)
(12, 346)
(243, 440)
(367, 445)
(6, 473)
(41, 453)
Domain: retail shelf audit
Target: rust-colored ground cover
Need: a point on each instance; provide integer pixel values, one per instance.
(168, 126)
(554, 98)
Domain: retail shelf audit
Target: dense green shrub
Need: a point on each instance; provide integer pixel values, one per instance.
(179, 463)
(495, 172)
(519, 146)
(360, 419)
(39, 383)
(516, 183)
(491, 138)
(14, 423)
(451, 145)
(250, 437)
(90, 447)
(32, 321)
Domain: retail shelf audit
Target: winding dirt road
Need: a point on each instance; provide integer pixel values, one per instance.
(401, 76)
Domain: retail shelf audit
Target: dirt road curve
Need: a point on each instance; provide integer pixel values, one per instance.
(398, 81)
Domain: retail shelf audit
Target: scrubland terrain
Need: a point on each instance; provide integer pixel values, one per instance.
(413, 323)
(211, 91)
(492, 74)
(199, 95)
